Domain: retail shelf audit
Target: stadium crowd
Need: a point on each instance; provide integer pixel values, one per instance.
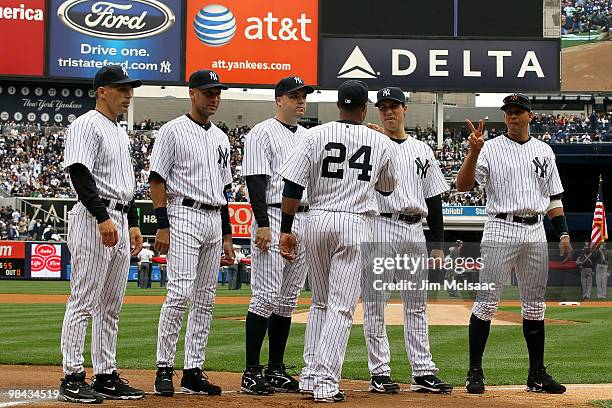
(579, 16)
(31, 156)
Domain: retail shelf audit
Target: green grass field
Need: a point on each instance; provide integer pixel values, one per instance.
(579, 353)
(573, 40)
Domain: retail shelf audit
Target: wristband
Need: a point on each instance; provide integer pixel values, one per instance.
(286, 222)
(161, 213)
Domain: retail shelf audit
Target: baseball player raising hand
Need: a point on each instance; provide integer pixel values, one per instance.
(341, 164)
(522, 184)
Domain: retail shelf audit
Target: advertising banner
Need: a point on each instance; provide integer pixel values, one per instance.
(12, 260)
(22, 37)
(144, 36)
(250, 42)
(44, 103)
(46, 261)
(442, 65)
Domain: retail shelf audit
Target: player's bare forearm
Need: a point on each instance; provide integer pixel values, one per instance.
(158, 193)
(290, 205)
(467, 173)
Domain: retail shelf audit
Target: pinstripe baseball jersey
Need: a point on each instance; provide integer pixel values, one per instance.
(193, 161)
(341, 164)
(266, 147)
(518, 178)
(419, 177)
(103, 147)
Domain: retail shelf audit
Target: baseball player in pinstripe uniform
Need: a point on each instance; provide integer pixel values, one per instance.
(102, 233)
(399, 228)
(341, 163)
(275, 282)
(190, 177)
(522, 184)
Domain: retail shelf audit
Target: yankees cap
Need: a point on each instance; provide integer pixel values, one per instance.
(114, 74)
(393, 93)
(517, 99)
(290, 84)
(205, 79)
(353, 92)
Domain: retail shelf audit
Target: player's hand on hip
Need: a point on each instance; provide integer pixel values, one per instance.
(229, 256)
(162, 240)
(263, 237)
(288, 246)
(436, 259)
(376, 127)
(476, 138)
(565, 249)
(108, 233)
(135, 241)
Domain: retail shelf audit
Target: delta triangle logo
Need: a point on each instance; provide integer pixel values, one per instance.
(356, 66)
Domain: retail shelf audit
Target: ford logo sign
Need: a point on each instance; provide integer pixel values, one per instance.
(117, 19)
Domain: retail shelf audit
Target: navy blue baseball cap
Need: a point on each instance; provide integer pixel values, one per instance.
(393, 93)
(517, 99)
(114, 74)
(353, 92)
(290, 84)
(205, 79)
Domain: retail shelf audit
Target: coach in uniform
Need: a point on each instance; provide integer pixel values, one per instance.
(275, 282)
(190, 178)
(102, 234)
(399, 230)
(341, 163)
(522, 184)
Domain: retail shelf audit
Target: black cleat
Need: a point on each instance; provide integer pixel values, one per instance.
(430, 383)
(195, 381)
(111, 386)
(383, 384)
(253, 382)
(475, 382)
(280, 380)
(74, 388)
(540, 381)
(163, 382)
(339, 397)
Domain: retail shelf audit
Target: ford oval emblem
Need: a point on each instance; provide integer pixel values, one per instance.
(117, 19)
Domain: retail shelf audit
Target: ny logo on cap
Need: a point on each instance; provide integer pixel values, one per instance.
(298, 80)
(386, 92)
(124, 71)
(213, 76)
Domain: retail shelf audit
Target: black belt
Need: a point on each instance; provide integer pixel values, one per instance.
(188, 202)
(534, 219)
(301, 208)
(408, 218)
(119, 207)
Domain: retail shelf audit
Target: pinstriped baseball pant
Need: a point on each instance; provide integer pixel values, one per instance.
(333, 252)
(275, 282)
(505, 246)
(193, 264)
(397, 237)
(97, 286)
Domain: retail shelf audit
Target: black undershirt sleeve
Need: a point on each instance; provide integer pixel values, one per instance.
(256, 185)
(435, 221)
(87, 191)
(226, 225)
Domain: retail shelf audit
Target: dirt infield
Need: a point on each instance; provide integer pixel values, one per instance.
(587, 67)
(47, 378)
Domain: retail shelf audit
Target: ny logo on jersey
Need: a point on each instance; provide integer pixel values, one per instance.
(540, 166)
(223, 156)
(422, 167)
(386, 92)
(213, 76)
(298, 80)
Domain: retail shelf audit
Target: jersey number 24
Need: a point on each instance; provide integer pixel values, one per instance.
(355, 161)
